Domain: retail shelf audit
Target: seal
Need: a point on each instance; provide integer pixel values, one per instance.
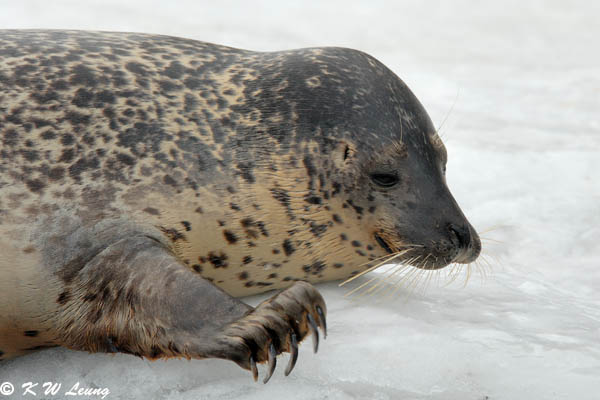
(147, 181)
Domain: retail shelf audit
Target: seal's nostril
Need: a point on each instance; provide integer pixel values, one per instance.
(461, 234)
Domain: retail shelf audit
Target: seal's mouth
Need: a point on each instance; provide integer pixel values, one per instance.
(383, 244)
(462, 247)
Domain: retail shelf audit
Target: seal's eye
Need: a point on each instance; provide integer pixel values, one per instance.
(385, 180)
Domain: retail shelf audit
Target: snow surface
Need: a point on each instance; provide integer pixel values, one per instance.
(520, 84)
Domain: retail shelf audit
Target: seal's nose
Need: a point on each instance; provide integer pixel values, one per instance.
(461, 235)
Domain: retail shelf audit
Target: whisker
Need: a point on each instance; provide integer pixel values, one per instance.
(400, 268)
(449, 111)
(360, 287)
(400, 253)
(492, 228)
(453, 273)
(422, 273)
(380, 281)
(429, 278)
(481, 272)
(388, 255)
(397, 284)
(414, 282)
(468, 275)
(403, 266)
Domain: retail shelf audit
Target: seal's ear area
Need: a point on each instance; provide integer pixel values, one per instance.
(343, 154)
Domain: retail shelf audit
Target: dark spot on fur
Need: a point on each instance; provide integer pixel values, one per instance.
(275, 251)
(246, 170)
(84, 76)
(263, 230)
(356, 243)
(314, 268)
(359, 210)
(361, 253)
(169, 181)
(337, 188)
(30, 155)
(56, 173)
(372, 209)
(77, 119)
(197, 268)
(338, 265)
(28, 249)
(243, 276)
(247, 222)
(308, 164)
(264, 284)
(313, 200)
(247, 260)
(288, 247)
(126, 159)
(234, 207)
(218, 261)
(173, 234)
(151, 211)
(282, 196)
(221, 223)
(82, 165)
(343, 236)
(63, 297)
(186, 225)
(199, 210)
(272, 276)
(48, 135)
(317, 229)
(89, 297)
(337, 218)
(230, 237)
(136, 68)
(67, 156)
(35, 185)
(105, 97)
(31, 333)
(82, 98)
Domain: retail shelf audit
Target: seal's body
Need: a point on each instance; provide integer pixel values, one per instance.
(138, 170)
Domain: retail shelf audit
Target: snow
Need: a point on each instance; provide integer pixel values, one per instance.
(518, 86)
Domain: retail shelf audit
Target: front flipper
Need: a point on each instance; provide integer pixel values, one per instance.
(135, 297)
(275, 326)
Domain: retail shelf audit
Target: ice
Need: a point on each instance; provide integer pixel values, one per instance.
(517, 84)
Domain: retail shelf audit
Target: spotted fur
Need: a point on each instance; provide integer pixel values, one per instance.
(251, 168)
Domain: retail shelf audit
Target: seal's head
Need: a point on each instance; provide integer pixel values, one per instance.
(372, 157)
